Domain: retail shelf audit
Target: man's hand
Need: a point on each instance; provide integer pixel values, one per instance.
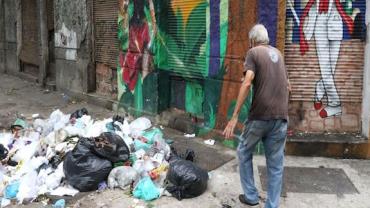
(229, 130)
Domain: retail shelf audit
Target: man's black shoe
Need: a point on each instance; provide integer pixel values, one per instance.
(243, 201)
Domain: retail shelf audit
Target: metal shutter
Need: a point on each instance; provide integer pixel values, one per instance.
(304, 70)
(187, 28)
(106, 42)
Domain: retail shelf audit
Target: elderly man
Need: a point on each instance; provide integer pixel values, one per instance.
(264, 68)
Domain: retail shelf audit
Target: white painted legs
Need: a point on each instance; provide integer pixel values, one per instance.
(327, 52)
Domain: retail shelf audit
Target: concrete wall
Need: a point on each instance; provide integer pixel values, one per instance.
(366, 87)
(2, 38)
(73, 51)
(10, 45)
(304, 118)
(106, 81)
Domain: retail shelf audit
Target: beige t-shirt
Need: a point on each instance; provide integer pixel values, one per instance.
(270, 84)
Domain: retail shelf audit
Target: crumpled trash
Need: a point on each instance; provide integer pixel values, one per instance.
(187, 180)
(116, 124)
(153, 135)
(11, 190)
(64, 191)
(102, 186)
(138, 126)
(54, 179)
(55, 137)
(189, 135)
(65, 154)
(6, 139)
(2, 182)
(118, 118)
(121, 177)
(141, 145)
(210, 142)
(146, 190)
(79, 113)
(56, 121)
(61, 203)
(5, 202)
(28, 187)
(140, 168)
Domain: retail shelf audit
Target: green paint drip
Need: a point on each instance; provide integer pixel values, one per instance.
(138, 94)
(224, 29)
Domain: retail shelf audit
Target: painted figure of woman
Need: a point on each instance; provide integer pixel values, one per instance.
(324, 20)
(136, 61)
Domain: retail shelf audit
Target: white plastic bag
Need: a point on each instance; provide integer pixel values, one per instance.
(138, 126)
(53, 180)
(25, 152)
(121, 177)
(28, 188)
(64, 191)
(6, 139)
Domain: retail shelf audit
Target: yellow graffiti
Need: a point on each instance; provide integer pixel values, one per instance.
(185, 6)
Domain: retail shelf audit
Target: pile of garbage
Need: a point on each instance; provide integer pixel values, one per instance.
(66, 154)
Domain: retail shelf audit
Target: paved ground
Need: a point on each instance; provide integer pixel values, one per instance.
(224, 187)
(17, 96)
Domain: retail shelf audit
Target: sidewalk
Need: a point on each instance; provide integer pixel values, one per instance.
(224, 187)
(18, 96)
(310, 181)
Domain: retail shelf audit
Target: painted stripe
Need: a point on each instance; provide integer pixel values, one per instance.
(268, 16)
(224, 30)
(280, 34)
(208, 23)
(214, 64)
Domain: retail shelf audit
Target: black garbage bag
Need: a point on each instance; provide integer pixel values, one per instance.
(3, 152)
(188, 155)
(79, 113)
(187, 180)
(83, 169)
(111, 146)
(90, 162)
(118, 118)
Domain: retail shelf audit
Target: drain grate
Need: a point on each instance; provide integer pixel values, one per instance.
(313, 180)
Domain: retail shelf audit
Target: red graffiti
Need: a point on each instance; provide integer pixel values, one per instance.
(131, 62)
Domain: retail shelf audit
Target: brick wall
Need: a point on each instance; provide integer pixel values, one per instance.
(304, 72)
(303, 117)
(106, 81)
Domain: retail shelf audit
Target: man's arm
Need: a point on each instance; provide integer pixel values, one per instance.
(243, 94)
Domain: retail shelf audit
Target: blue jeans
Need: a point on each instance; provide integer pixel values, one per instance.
(273, 134)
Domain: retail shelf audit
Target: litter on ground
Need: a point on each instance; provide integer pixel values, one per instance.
(69, 153)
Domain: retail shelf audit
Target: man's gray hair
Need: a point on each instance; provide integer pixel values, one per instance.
(259, 35)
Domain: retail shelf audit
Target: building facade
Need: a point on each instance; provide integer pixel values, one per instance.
(151, 56)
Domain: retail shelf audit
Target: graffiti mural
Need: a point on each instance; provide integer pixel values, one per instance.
(183, 54)
(136, 31)
(187, 41)
(327, 26)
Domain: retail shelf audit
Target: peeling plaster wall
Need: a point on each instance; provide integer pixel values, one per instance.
(2, 38)
(73, 50)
